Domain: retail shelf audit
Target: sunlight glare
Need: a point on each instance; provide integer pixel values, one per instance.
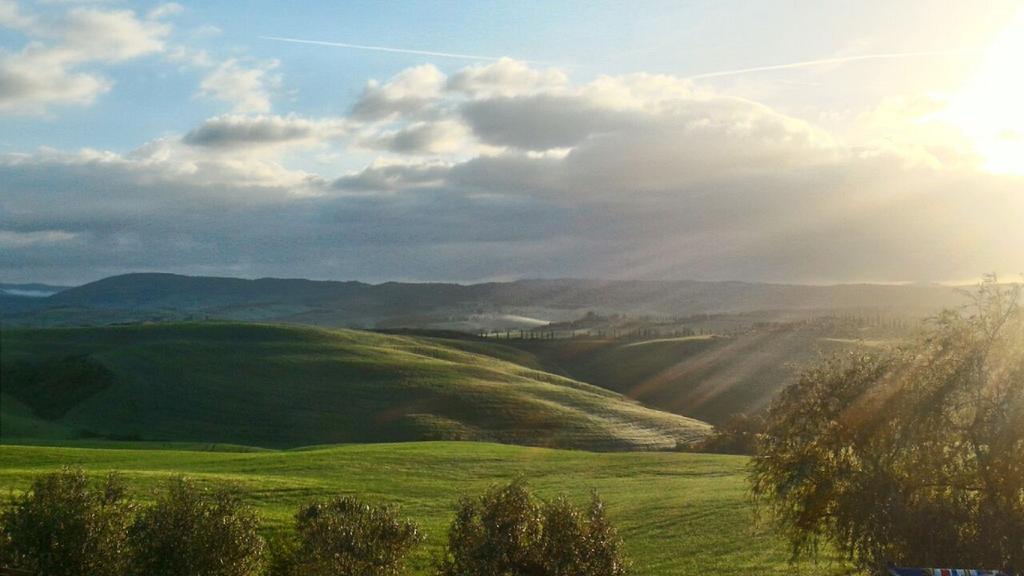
(989, 108)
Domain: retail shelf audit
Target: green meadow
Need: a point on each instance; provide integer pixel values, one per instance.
(288, 414)
(289, 386)
(679, 514)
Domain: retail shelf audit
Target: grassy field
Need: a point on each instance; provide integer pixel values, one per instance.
(679, 514)
(288, 386)
(705, 377)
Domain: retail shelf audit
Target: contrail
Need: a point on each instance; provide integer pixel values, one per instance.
(395, 50)
(838, 60)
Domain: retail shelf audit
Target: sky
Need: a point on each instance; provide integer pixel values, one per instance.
(796, 141)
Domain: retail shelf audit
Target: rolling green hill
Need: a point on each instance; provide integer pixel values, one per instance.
(284, 386)
(679, 514)
(704, 377)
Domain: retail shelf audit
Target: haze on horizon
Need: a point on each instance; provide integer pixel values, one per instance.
(841, 142)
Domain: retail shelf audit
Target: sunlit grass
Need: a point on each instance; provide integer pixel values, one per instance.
(679, 514)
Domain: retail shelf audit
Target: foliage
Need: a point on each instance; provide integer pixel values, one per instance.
(509, 532)
(346, 536)
(738, 435)
(64, 526)
(914, 456)
(192, 530)
(282, 554)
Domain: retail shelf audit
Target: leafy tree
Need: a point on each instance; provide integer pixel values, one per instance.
(915, 455)
(65, 526)
(344, 536)
(193, 531)
(509, 532)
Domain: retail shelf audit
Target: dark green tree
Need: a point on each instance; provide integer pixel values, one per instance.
(344, 536)
(66, 526)
(509, 532)
(193, 531)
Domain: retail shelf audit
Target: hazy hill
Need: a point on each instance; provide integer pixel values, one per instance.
(525, 303)
(277, 386)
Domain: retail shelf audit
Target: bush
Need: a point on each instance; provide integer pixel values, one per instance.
(914, 456)
(738, 435)
(344, 536)
(509, 532)
(191, 531)
(63, 526)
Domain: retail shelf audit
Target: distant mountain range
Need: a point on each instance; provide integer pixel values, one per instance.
(494, 305)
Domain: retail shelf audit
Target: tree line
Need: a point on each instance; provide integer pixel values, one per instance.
(69, 525)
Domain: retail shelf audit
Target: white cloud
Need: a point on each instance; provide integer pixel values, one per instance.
(247, 88)
(12, 17)
(49, 70)
(506, 77)
(434, 137)
(110, 35)
(165, 10)
(37, 77)
(408, 92)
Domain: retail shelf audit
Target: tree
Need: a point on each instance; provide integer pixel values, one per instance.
(65, 526)
(344, 536)
(192, 530)
(509, 532)
(915, 455)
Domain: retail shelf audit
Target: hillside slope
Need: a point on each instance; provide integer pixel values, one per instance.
(705, 377)
(277, 386)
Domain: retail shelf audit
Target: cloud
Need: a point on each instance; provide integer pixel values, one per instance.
(408, 92)
(36, 78)
(15, 239)
(385, 177)
(56, 67)
(538, 122)
(506, 77)
(440, 137)
(12, 17)
(627, 176)
(247, 88)
(237, 131)
(111, 35)
(165, 10)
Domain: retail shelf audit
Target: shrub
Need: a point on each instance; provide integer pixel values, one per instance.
(191, 531)
(509, 532)
(63, 526)
(914, 456)
(344, 536)
(282, 555)
(738, 435)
